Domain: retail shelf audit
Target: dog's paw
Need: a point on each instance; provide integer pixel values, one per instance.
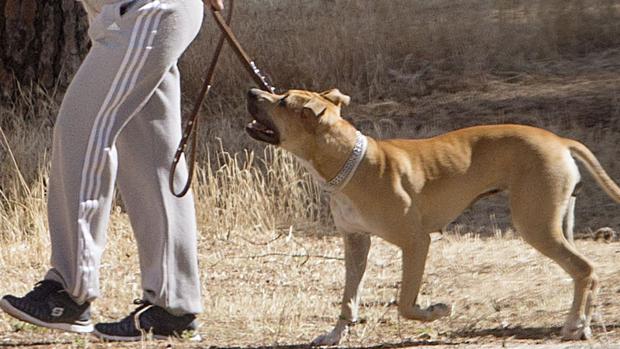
(331, 338)
(576, 331)
(439, 310)
(431, 313)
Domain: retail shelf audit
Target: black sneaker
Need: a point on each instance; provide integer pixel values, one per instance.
(149, 319)
(49, 305)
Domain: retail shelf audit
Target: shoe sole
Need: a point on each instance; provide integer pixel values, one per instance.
(110, 338)
(20, 315)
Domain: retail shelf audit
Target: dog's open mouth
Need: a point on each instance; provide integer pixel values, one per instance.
(262, 132)
(261, 128)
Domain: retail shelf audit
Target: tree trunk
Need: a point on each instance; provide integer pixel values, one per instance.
(43, 43)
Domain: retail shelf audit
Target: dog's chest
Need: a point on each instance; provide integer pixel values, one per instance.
(346, 216)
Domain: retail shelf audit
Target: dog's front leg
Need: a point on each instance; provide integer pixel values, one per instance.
(356, 247)
(414, 260)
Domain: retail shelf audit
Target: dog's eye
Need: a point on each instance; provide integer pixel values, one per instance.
(282, 102)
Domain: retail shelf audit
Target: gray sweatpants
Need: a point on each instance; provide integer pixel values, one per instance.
(121, 118)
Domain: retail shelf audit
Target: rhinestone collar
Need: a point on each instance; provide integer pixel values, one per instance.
(348, 169)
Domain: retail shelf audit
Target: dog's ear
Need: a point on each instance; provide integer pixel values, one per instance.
(336, 97)
(315, 106)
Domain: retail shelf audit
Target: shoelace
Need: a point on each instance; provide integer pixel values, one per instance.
(43, 288)
(143, 306)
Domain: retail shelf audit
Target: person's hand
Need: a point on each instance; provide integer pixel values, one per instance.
(216, 4)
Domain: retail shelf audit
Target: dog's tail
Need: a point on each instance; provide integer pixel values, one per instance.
(585, 156)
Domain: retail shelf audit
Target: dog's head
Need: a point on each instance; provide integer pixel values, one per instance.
(295, 119)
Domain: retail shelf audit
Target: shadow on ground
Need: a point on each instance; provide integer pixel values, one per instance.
(518, 332)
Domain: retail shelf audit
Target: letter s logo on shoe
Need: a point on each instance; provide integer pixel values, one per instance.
(57, 311)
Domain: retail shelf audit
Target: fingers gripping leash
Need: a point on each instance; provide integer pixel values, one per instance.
(191, 125)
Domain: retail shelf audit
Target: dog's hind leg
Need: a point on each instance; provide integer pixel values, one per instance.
(414, 260)
(569, 216)
(540, 224)
(356, 247)
(569, 220)
(577, 325)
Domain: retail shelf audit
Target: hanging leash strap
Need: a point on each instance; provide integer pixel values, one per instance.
(191, 126)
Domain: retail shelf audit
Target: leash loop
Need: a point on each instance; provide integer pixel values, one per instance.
(190, 130)
(192, 121)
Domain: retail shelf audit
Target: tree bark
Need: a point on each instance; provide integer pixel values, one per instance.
(43, 43)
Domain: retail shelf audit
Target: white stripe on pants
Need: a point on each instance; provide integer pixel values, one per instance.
(126, 93)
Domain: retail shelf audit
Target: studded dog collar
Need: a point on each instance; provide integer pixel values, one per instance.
(350, 166)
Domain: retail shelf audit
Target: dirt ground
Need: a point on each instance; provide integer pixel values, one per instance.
(285, 293)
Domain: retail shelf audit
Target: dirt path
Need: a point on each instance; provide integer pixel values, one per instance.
(504, 294)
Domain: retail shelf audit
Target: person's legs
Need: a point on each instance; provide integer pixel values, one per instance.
(164, 225)
(135, 45)
(132, 54)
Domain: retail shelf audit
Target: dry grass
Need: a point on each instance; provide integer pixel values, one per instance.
(270, 258)
(396, 48)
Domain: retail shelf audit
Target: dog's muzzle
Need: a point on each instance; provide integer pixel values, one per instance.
(261, 128)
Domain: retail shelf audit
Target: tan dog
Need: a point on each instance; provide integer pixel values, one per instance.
(402, 190)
